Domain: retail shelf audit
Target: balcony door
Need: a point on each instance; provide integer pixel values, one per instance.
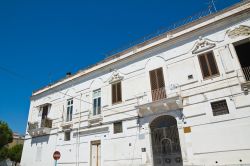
(45, 111)
(243, 52)
(157, 84)
(96, 102)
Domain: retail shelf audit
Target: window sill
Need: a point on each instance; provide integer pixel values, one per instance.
(95, 119)
(119, 102)
(211, 77)
(67, 125)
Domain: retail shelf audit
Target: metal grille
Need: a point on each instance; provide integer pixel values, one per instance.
(219, 108)
(166, 146)
(117, 127)
(46, 123)
(158, 94)
(33, 126)
(246, 71)
(163, 30)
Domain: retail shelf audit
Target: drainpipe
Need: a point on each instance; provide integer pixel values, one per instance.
(78, 135)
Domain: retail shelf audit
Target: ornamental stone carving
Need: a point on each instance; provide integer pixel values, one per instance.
(202, 45)
(116, 77)
(242, 30)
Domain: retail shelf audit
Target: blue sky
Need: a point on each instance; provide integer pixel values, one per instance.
(41, 40)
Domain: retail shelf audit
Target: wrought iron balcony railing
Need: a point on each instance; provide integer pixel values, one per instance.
(158, 94)
(33, 126)
(36, 129)
(246, 72)
(46, 123)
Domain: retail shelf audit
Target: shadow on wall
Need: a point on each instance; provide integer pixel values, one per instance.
(43, 139)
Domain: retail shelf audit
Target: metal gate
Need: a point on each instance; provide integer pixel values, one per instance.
(166, 146)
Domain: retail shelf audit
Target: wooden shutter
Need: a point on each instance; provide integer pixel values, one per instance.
(204, 66)
(156, 79)
(116, 93)
(119, 92)
(113, 93)
(157, 84)
(153, 80)
(208, 65)
(160, 78)
(212, 64)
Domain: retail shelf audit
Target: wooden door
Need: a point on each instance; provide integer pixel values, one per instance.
(96, 153)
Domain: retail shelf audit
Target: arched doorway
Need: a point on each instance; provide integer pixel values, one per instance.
(165, 142)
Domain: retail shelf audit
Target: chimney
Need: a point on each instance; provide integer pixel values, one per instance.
(68, 74)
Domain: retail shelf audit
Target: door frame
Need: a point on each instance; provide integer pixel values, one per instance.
(96, 142)
(178, 115)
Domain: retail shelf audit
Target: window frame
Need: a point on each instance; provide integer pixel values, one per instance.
(44, 111)
(225, 112)
(157, 84)
(121, 127)
(205, 54)
(69, 113)
(67, 137)
(99, 102)
(116, 93)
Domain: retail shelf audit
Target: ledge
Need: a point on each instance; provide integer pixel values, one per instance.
(166, 104)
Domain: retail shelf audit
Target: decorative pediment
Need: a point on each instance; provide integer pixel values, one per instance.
(116, 77)
(242, 30)
(202, 45)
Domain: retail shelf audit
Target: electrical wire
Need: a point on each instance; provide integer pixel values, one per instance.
(10, 72)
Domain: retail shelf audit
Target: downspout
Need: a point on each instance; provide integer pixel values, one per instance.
(78, 135)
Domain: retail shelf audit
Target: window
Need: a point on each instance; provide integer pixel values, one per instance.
(67, 136)
(157, 84)
(242, 49)
(219, 108)
(69, 110)
(208, 65)
(117, 127)
(45, 111)
(116, 93)
(97, 102)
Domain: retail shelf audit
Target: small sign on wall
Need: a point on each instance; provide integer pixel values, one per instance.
(187, 129)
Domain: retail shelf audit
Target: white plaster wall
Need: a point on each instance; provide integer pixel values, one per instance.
(223, 138)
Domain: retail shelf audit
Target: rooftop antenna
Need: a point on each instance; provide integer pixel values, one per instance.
(212, 2)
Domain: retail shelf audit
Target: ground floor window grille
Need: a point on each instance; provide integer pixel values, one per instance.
(117, 127)
(67, 136)
(219, 108)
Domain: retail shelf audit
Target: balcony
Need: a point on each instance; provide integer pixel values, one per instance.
(35, 129)
(95, 118)
(159, 103)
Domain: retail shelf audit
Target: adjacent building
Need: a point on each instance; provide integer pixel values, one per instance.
(17, 139)
(180, 98)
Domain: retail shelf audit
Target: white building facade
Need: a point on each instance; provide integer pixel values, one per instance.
(178, 99)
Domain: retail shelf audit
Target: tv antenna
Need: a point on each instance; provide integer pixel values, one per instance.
(212, 4)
